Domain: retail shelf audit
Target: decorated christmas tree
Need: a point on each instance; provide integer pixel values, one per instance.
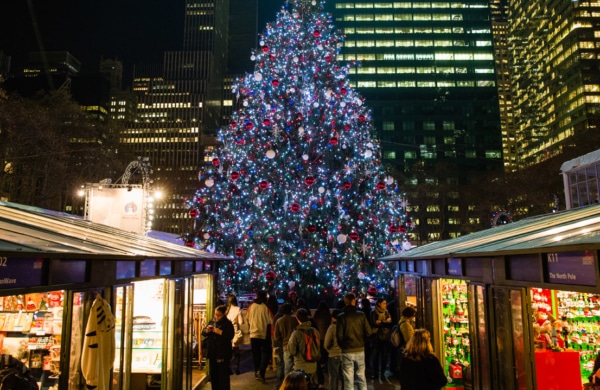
(297, 194)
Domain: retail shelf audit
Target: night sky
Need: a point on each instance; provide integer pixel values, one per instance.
(133, 31)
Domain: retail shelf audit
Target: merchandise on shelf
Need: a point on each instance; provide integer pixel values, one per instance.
(457, 351)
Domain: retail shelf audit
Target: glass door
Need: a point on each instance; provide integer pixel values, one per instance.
(173, 354)
(513, 365)
(478, 375)
(123, 309)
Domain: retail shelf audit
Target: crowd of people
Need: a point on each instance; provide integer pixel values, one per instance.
(344, 342)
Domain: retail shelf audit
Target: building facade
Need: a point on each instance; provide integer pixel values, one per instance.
(554, 47)
(427, 70)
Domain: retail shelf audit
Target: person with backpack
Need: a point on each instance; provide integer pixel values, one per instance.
(334, 362)
(14, 374)
(406, 331)
(305, 344)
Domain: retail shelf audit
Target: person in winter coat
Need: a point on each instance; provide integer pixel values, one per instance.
(284, 327)
(297, 345)
(382, 322)
(259, 318)
(218, 335)
(352, 330)
(322, 319)
(421, 369)
(234, 314)
(334, 361)
(407, 330)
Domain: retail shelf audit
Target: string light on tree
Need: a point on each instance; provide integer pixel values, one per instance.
(296, 194)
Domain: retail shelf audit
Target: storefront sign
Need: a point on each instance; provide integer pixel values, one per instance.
(125, 269)
(455, 267)
(571, 268)
(16, 272)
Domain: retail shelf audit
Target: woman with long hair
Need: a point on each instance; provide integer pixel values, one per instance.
(295, 380)
(421, 369)
(234, 315)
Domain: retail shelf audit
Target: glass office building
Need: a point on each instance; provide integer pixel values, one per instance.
(427, 70)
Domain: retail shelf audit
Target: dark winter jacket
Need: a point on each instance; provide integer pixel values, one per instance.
(352, 330)
(218, 346)
(424, 374)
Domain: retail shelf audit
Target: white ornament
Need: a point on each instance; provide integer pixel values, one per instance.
(296, 59)
(270, 153)
(370, 145)
(257, 202)
(316, 104)
(206, 236)
(314, 2)
(368, 153)
(320, 47)
(343, 104)
(252, 57)
(262, 43)
(245, 103)
(393, 283)
(321, 190)
(258, 76)
(305, 157)
(406, 245)
(291, 284)
(389, 180)
(361, 275)
(249, 262)
(209, 182)
(342, 238)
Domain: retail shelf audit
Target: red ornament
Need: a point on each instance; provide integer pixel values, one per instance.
(402, 229)
(361, 118)
(228, 282)
(189, 243)
(275, 83)
(309, 180)
(347, 185)
(316, 33)
(295, 207)
(271, 239)
(270, 276)
(372, 290)
(239, 252)
(311, 228)
(343, 91)
(380, 185)
(328, 58)
(354, 236)
(267, 122)
(333, 141)
(263, 184)
(235, 175)
(233, 125)
(249, 126)
(194, 213)
(346, 127)
(265, 49)
(216, 162)
(393, 229)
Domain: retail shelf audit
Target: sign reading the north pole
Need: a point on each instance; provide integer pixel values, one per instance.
(17, 272)
(571, 268)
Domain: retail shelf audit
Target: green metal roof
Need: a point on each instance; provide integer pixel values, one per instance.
(562, 231)
(31, 231)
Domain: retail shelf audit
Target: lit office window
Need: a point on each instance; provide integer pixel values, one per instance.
(486, 83)
(348, 18)
(367, 84)
(404, 30)
(441, 17)
(493, 154)
(442, 30)
(384, 43)
(384, 30)
(349, 30)
(448, 125)
(484, 70)
(402, 5)
(411, 154)
(423, 43)
(389, 155)
(457, 17)
(386, 84)
(344, 5)
(440, 5)
(384, 17)
(421, 17)
(386, 56)
(444, 70)
(364, 5)
(405, 57)
(405, 43)
(446, 84)
(443, 43)
(444, 56)
(365, 57)
(461, 70)
(426, 84)
(402, 17)
(364, 17)
(363, 30)
(349, 44)
(423, 30)
(483, 43)
(366, 70)
(365, 43)
(428, 125)
(465, 83)
(484, 56)
(463, 56)
(388, 126)
(406, 84)
(384, 5)
(425, 57)
(386, 70)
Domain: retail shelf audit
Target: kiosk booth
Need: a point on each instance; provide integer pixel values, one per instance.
(513, 307)
(57, 270)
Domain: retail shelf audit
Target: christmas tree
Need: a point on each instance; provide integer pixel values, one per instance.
(297, 194)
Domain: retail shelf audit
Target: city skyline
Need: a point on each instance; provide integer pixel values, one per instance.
(135, 32)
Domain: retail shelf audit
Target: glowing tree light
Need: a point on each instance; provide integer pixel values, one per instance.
(297, 194)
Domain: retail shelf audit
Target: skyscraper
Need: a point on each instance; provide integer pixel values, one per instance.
(554, 49)
(179, 107)
(427, 70)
